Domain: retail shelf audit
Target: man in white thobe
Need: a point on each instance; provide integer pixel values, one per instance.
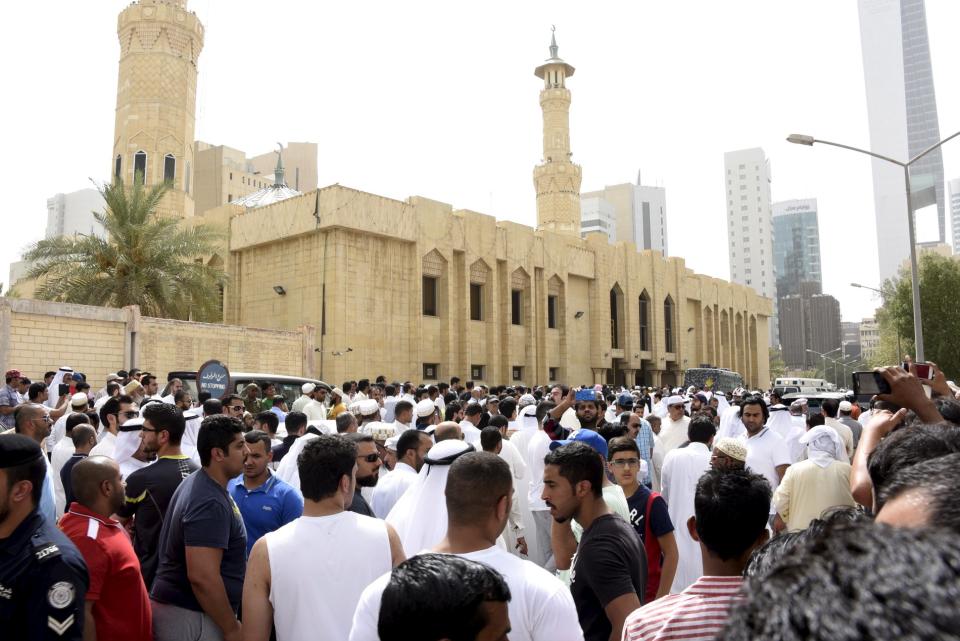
(673, 427)
(412, 447)
(682, 469)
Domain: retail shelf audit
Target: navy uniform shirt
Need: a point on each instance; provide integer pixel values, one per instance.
(43, 581)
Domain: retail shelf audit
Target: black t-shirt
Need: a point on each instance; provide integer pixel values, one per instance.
(610, 562)
(201, 514)
(67, 480)
(360, 505)
(149, 491)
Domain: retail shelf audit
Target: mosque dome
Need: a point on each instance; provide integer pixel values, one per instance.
(271, 194)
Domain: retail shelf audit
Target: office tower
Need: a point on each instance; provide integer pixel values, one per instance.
(639, 213)
(955, 213)
(796, 245)
(749, 225)
(809, 325)
(902, 110)
(597, 215)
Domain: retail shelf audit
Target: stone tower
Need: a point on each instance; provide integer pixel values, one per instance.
(556, 178)
(160, 42)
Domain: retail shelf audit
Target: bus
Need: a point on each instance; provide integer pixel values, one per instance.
(716, 379)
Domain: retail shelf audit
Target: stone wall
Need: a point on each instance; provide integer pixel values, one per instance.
(37, 336)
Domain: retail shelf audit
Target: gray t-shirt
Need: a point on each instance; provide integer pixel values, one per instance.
(201, 514)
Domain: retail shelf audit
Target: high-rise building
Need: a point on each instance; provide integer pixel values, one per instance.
(902, 111)
(955, 213)
(597, 215)
(69, 214)
(750, 226)
(850, 339)
(869, 338)
(809, 325)
(639, 211)
(796, 245)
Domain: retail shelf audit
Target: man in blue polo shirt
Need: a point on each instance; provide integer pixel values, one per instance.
(265, 502)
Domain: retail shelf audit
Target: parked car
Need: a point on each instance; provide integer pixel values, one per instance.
(289, 386)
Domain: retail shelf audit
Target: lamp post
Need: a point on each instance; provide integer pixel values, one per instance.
(824, 357)
(883, 297)
(801, 139)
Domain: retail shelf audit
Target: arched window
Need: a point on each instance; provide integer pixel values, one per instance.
(117, 167)
(668, 324)
(644, 321)
(140, 167)
(169, 168)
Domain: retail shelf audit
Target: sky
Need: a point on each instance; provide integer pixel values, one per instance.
(438, 99)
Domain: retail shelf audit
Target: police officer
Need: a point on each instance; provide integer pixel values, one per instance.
(43, 579)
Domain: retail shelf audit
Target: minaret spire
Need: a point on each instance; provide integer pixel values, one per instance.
(556, 178)
(278, 177)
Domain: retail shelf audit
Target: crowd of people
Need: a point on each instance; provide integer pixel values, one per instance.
(388, 511)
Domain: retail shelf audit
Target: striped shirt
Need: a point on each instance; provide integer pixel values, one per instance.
(696, 614)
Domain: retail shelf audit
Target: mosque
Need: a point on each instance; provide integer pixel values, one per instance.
(415, 289)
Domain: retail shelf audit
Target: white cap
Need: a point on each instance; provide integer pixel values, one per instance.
(674, 400)
(846, 406)
(79, 399)
(425, 408)
(391, 443)
(368, 407)
(306, 388)
(527, 399)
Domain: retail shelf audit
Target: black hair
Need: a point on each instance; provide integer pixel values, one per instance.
(48, 374)
(294, 421)
(612, 430)
(829, 407)
(839, 586)
(949, 409)
(622, 444)
(146, 379)
(357, 438)
(258, 436)
(270, 419)
(216, 431)
(473, 409)
(212, 407)
(542, 409)
(579, 462)
(344, 420)
(499, 421)
(34, 471)
(507, 408)
(701, 429)
(180, 394)
(409, 440)
(440, 596)
(35, 390)
(402, 406)
(755, 399)
(732, 508)
(936, 481)
(450, 411)
(322, 463)
(816, 420)
(167, 418)
(490, 437)
(476, 481)
(203, 397)
(908, 446)
(768, 555)
(74, 419)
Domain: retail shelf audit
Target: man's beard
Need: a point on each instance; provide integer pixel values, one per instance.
(367, 481)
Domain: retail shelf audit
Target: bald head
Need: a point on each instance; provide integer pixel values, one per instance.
(96, 482)
(447, 431)
(475, 485)
(84, 438)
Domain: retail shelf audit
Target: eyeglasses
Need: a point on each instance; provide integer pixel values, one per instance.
(626, 462)
(370, 458)
(44, 418)
(236, 408)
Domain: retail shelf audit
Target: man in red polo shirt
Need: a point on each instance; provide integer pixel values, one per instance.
(117, 603)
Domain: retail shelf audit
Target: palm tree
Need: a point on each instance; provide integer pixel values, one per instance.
(145, 260)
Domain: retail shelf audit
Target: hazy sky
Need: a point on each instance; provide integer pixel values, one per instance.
(439, 99)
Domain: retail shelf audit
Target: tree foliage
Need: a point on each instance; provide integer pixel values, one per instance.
(939, 299)
(146, 260)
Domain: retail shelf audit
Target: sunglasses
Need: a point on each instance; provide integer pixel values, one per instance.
(236, 408)
(370, 458)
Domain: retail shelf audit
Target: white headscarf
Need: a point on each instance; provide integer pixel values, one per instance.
(780, 421)
(420, 516)
(722, 403)
(824, 446)
(53, 389)
(288, 470)
(188, 444)
(127, 444)
(730, 424)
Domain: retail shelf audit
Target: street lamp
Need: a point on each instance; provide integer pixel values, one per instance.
(883, 297)
(824, 357)
(801, 139)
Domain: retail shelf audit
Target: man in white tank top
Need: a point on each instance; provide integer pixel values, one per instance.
(305, 579)
(478, 493)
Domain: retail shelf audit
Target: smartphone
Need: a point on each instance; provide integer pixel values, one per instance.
(64, 389)
(869, 384)
(586, 395)
(923, 371)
